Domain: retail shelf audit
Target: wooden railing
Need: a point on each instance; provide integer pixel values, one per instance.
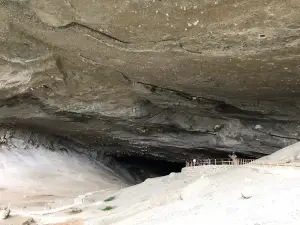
(203, 162)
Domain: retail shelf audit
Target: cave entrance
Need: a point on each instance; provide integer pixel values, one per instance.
(143, 167)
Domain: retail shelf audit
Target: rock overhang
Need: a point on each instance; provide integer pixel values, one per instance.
(158, 75)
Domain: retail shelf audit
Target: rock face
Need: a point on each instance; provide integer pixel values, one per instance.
(164, 78)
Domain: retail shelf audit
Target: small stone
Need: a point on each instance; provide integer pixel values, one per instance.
(30, 221)
(258, 127)
(75, 210)
(4, 213)
(196, 22)
(245, 196)
(217, 127)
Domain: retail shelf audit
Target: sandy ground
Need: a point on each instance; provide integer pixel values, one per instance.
(38, 179)
(274, 196)
(211, 195)
(290, 154)
(216, 198)
(198, 195)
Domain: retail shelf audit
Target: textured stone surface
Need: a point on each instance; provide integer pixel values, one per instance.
(161, 77)
(18, 220)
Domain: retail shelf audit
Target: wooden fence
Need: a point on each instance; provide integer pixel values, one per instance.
(202, 162)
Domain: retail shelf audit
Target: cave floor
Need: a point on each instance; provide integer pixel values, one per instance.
(181, 195)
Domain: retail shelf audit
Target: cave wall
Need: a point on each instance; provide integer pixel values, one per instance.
(167, 78)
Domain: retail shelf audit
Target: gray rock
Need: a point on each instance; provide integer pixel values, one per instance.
(258, 127)
(153, 77)
(18, 220)
(4, 213)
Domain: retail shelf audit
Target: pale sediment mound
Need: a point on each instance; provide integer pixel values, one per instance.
(220, 201)
(289, 154)
(210, 194)
(36, 171)
(215, 194)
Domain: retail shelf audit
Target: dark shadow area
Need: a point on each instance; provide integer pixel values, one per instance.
(144, 167)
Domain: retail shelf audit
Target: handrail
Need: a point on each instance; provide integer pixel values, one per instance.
(238, 161)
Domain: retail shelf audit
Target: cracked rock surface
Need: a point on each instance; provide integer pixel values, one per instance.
(164, 78)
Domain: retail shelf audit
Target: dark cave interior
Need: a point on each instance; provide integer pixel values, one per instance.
(140, 166)
(146, 167)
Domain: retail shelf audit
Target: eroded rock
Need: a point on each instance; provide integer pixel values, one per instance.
(153, 77)
(18, 220)
(4, 213)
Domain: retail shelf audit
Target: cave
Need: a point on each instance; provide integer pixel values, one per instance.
(206, 92)
(145, 166)
(84, 83)
(149, 167)
(156, 163)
